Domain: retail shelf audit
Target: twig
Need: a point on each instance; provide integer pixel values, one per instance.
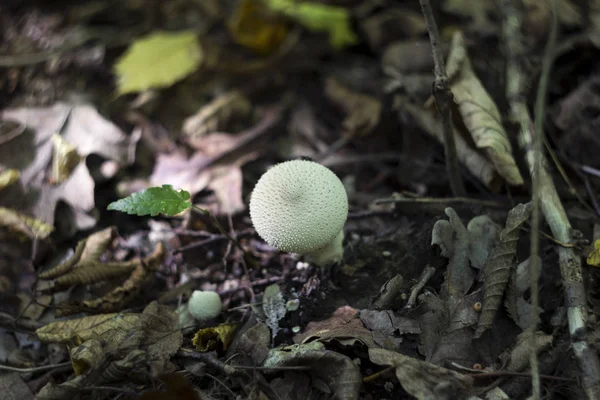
(423, 279)
(443, 100)
(34, 369)
(477, 374)
(536, 168)
(451, 200)
(551, 207)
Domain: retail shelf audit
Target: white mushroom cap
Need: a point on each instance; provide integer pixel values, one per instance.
(205, 305)
(300, 207)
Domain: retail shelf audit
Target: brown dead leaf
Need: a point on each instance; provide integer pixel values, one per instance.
(86, 327)
(255, 343)
(363, 111)
(24, 225)
(499, 265)
(88, 355)
(158, 325)
(478, 12)
(479, 113)
(343, 326)
(177, 387)
(64, 159)
(538, 16)
(331, 372)
(478, 165)
(422, 379)
(518, 356)
(216, 116)
(391, 24)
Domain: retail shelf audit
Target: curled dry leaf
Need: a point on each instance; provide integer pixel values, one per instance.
(478, 165)
(216, 115)
(363, 111)
(518, 357)
(421, 379)
(336, 372)
(85, 327)
(24, 225)
(343, 326)
(499, 265)
(213, 338)
(479, 112)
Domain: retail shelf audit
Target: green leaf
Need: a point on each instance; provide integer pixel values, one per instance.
(153, 201)
(318, 17)
(158, 60)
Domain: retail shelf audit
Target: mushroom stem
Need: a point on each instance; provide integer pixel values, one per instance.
(331, 253)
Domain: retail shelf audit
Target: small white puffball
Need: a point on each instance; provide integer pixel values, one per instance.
(301, 207)
(205, 305)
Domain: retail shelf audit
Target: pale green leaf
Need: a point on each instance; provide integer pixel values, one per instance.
(153, 201)
(158, 60)
(318, 17)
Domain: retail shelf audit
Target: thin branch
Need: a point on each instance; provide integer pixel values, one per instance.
(551, 207)
(34, 369)
(443, 100)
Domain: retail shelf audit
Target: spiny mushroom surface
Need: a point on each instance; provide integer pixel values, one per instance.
(300, 207)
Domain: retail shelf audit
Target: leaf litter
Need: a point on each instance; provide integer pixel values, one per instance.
(175, 114)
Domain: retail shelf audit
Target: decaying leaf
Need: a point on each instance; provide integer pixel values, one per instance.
(343, 326)
(479, 112)
(519, 309)
(478, 165)
(421, 379)
(318, 17)
(217, 115)
(255, 342)
(518, 357)
(86, 327)
(273, 306)
(158, 60)
(252, 25)
(13, 387)
(126, 292)
(176, 387)
(499, 266)
(159, 330)
(538, 15)
(64, 159)
(89, 354)
(24, 225)
(363, 111)
(593, 258)
(331, 372)
(220, 336)
(478, 12)
(8, 177)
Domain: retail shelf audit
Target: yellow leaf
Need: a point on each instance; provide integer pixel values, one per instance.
(252, 26)
(319, 18)
(24, 224)
(158, 60)
(593, 258)
(86, 328)
(208, 339)
(8, 177)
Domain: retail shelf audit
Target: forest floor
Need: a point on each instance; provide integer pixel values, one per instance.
(437, 294)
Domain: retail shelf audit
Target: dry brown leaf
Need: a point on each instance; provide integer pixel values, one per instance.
(518, 356)
(342, 325)
(121, 296)
(335, 372)
(538, 16)
(499, 266)
(24, 225)
(479, 12)
(177, 387)
(88, 250)
(363, 111)
(478, 165)
(13, 387)
(8, 177)
(421, 379)
(158, 325)
(255, 343)
(86, 327)
(88, 355)
(64, 159)
(479, 113)
(216, 115)
(393, 23)
(216, 337)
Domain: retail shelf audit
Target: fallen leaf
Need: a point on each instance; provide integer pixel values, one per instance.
(498, 267)
(24, 225)
(478, 13)
(593, 258)
(85, 327)
(217, 337)
(538, 16)
(64, 159)
(158, 325)
(216, 115)
(344, 324)
(479, 113)
(8, 177)
(13, 387)
(158, 60)
(319, 17)
(422, 379)
(519, 355)
(338, 375)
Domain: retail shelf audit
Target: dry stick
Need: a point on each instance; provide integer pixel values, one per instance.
(552, 209)
(443, 101)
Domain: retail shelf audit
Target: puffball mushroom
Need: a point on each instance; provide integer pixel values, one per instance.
(300, 206)
(205, 305)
